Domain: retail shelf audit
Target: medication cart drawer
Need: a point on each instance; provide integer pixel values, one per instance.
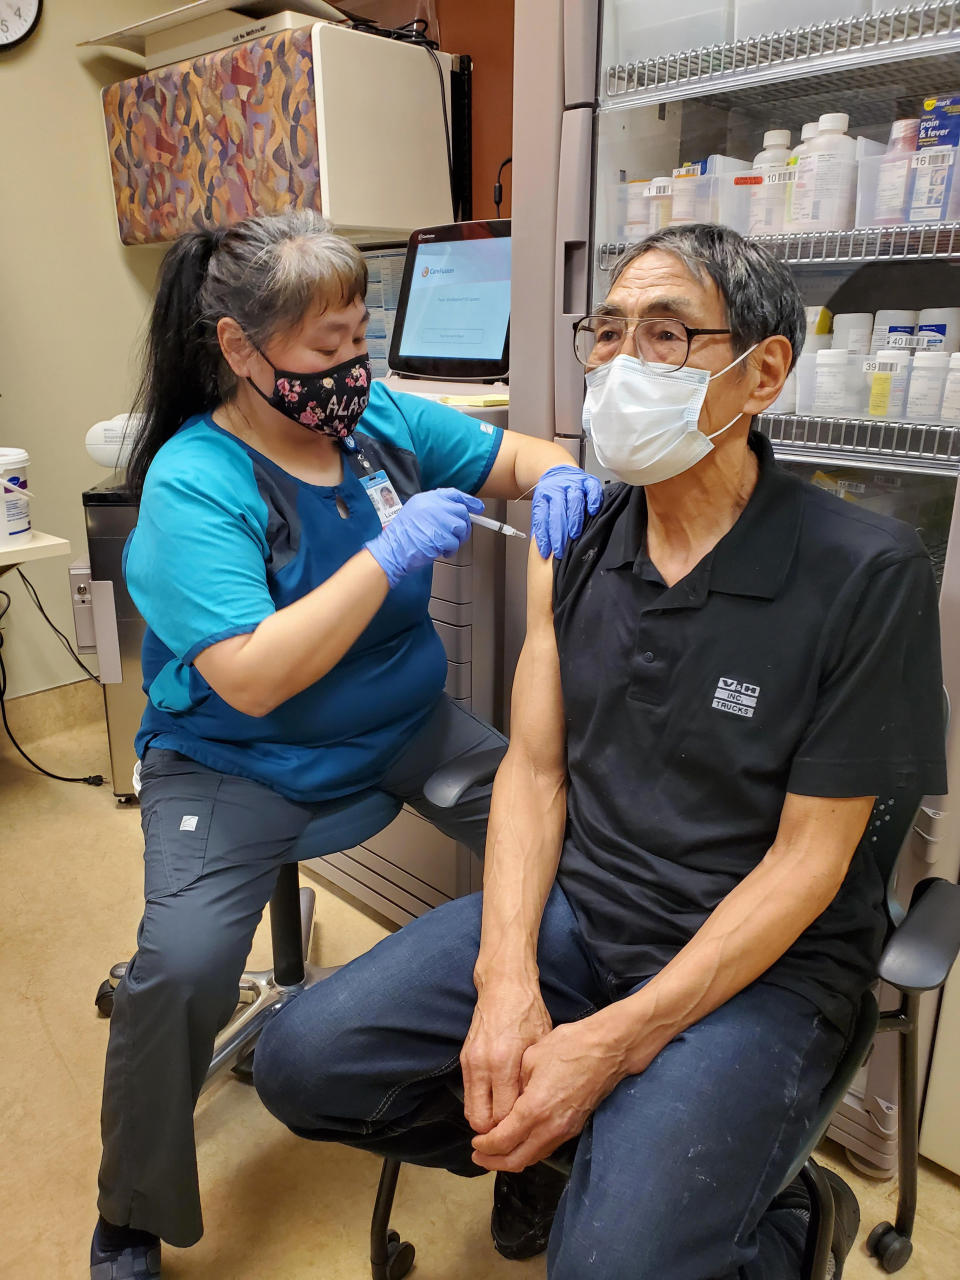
(457, 615)
(456, 641)
(463, 554)
(453, 583)
(459, 679)
(346, 871)
(419, 849)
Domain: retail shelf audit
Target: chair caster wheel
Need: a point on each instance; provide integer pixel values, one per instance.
(889, 1247)
(400, 1256)
(243, 1068)
(104, 999)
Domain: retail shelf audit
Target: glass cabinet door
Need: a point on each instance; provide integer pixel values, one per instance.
(680, 134)
(923, 501)
(865, 212)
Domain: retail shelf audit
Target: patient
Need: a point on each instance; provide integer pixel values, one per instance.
(678, 918)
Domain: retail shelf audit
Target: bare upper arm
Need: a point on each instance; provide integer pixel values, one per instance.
(218, 666)
(536, 719)
(501, 481)
(823, 830)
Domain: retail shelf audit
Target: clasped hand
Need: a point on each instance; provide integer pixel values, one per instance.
(529, 1086)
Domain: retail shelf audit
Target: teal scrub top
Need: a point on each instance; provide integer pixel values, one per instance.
(225, 537)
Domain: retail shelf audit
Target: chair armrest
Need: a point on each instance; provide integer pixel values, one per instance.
(445, 787)
(921, 950)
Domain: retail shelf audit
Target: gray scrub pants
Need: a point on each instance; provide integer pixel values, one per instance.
(214, 844)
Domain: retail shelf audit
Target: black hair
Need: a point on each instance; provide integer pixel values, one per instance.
(759, 292)
(265, 273)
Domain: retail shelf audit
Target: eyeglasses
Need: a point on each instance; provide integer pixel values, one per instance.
(662, 341)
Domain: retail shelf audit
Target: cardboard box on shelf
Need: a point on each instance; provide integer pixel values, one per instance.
(940, 122)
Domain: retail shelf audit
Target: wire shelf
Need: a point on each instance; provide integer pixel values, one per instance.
(870, 95)
(864, 441)
(914, 31)
(867, 244)
(863, 244)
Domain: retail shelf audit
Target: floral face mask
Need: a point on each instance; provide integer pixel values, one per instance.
(330, 402)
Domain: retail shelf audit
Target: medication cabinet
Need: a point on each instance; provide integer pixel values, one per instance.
(410, 866)
(319, 117)
(675, 140)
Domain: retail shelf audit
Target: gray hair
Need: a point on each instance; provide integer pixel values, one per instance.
(268, 272)
(760, 294)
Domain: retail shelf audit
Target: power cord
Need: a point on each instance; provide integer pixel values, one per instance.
(498, 185)
(414, 32)
(32, 593)
(92, 780)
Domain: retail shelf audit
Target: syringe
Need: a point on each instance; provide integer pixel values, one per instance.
(497, 526)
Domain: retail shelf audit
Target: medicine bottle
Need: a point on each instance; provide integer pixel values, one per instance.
(890, 324)
(768, 199)
(825, 190)
(660, 198)
(802, 148)
(835, 392)
(893, 174)
(938, 329)
(887, 375)
(927, 378)
(950, 409)
(852, 331)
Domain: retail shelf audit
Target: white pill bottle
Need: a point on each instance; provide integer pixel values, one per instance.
(825, 190)
(928, 377)
(938, 329)
(768, 200)
(950, 407)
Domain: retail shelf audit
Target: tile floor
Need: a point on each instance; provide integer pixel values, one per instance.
(276, 1208)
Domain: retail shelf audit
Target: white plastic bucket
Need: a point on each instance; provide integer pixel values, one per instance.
(15, 530)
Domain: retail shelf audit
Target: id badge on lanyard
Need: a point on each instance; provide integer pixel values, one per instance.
(376, 485)
(383, 496)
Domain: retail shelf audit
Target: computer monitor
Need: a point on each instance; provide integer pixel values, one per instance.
(453, 314)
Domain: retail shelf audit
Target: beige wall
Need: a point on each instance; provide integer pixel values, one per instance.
(72, 299)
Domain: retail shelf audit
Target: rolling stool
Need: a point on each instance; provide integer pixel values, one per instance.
(339, 825)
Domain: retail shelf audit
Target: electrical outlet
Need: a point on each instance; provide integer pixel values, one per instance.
(82, 596)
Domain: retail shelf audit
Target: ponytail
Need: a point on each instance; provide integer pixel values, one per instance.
(266, 273)
(181, 355)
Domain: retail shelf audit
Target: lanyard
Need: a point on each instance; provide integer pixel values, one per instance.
(353, 454)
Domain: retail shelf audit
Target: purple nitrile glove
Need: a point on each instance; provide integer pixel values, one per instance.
(559, 501)
(431, 524)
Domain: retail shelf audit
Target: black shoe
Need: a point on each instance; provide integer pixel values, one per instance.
(846, 1213)
(135, 1262)
(524, 1205)
(846, 1222)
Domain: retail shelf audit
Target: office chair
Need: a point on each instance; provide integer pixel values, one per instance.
(922, 945)
(337, 826)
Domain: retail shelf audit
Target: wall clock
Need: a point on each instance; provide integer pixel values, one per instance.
(18, 21)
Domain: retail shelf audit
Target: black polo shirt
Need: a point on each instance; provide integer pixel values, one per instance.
(801, 654)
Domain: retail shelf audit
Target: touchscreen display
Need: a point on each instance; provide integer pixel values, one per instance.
(459, 301)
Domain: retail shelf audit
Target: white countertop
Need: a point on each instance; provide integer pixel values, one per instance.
(42, 545)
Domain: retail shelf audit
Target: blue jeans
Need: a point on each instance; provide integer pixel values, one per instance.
(676, 1170)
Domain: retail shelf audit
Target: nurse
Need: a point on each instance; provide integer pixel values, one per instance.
(290, 514)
